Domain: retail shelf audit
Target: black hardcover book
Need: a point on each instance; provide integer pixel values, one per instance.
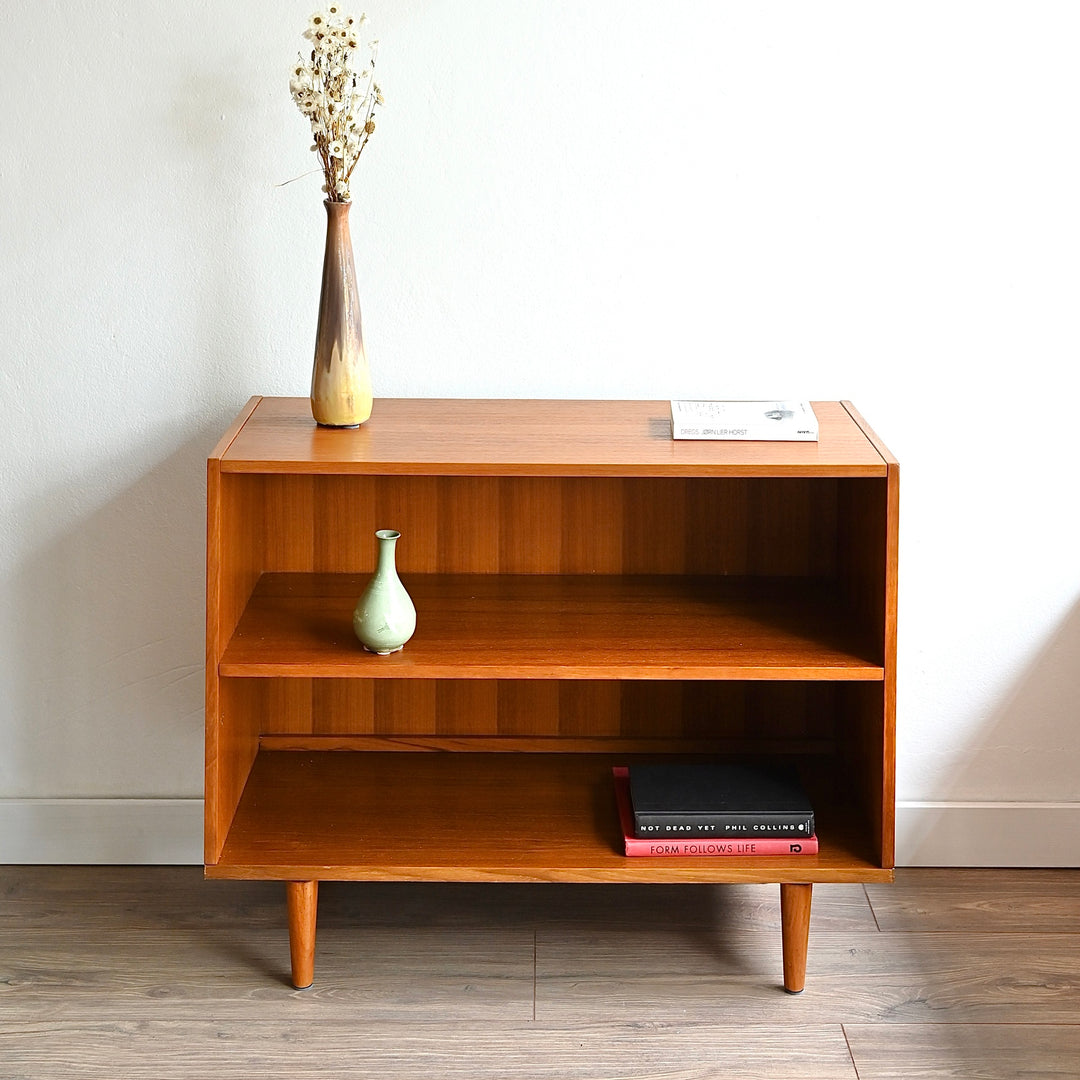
(718, 799)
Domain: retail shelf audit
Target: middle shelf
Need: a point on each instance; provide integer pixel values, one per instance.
(548, 626)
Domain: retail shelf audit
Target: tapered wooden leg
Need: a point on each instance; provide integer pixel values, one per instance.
(302, 898)
(795, 928)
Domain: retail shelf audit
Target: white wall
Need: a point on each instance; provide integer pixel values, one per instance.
(609, 198)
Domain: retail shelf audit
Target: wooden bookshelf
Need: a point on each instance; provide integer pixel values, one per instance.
(589, 593)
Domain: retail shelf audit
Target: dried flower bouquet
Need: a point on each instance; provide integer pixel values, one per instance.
(335, 89)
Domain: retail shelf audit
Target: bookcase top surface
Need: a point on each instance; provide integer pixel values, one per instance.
(426, 436)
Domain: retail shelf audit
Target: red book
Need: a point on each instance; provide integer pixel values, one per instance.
(636, 845)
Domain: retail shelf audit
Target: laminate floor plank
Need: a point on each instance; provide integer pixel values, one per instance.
(131, 897)
(319, 1049)
(372, 974)
(988, 901)
(660, 974)
(973, 1052)
(558, 905)
(154, 972)
(174, 897)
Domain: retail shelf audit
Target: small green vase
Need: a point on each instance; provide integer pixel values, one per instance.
(385, 618)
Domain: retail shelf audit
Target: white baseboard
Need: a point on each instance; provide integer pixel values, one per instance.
(101, 832)
(987, 834)
(169, 832)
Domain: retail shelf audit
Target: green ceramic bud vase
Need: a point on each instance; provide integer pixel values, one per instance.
(385, 617)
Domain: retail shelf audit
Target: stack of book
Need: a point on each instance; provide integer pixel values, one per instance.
(713, 808)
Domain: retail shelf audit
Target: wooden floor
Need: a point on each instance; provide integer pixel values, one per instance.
(154, 972)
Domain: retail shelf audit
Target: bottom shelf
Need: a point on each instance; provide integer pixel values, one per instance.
(366, 815)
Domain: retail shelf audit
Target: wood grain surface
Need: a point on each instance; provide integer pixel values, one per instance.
(153, 972)
(428, 1050)
(545, 543)
(549, 544)
(545, 817)
(412, 435)
(965, 900)
(520, 626)
(966, 1051)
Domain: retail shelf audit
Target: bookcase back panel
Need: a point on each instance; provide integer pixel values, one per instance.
(797, 714)
(568, 525)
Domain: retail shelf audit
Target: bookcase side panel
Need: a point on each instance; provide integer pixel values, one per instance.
(868, 559)
(865, 742)
(240, 557)
(863, 543)
(234, 562)
(892, 556)
(236, 725)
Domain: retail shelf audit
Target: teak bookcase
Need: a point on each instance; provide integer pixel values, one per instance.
(589, 592)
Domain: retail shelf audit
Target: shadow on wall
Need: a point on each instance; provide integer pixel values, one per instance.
(109, 683)
(179, 311)
(109, 608)
(1012, 796)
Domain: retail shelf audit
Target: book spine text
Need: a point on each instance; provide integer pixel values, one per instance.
(722, 826)
(661, 848)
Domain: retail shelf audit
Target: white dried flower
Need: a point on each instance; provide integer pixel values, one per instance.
(337, 96)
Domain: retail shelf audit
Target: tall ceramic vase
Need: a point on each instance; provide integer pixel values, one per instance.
(385, 617)
(340, 379)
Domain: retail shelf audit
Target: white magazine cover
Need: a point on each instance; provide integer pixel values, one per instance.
(769, 421)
